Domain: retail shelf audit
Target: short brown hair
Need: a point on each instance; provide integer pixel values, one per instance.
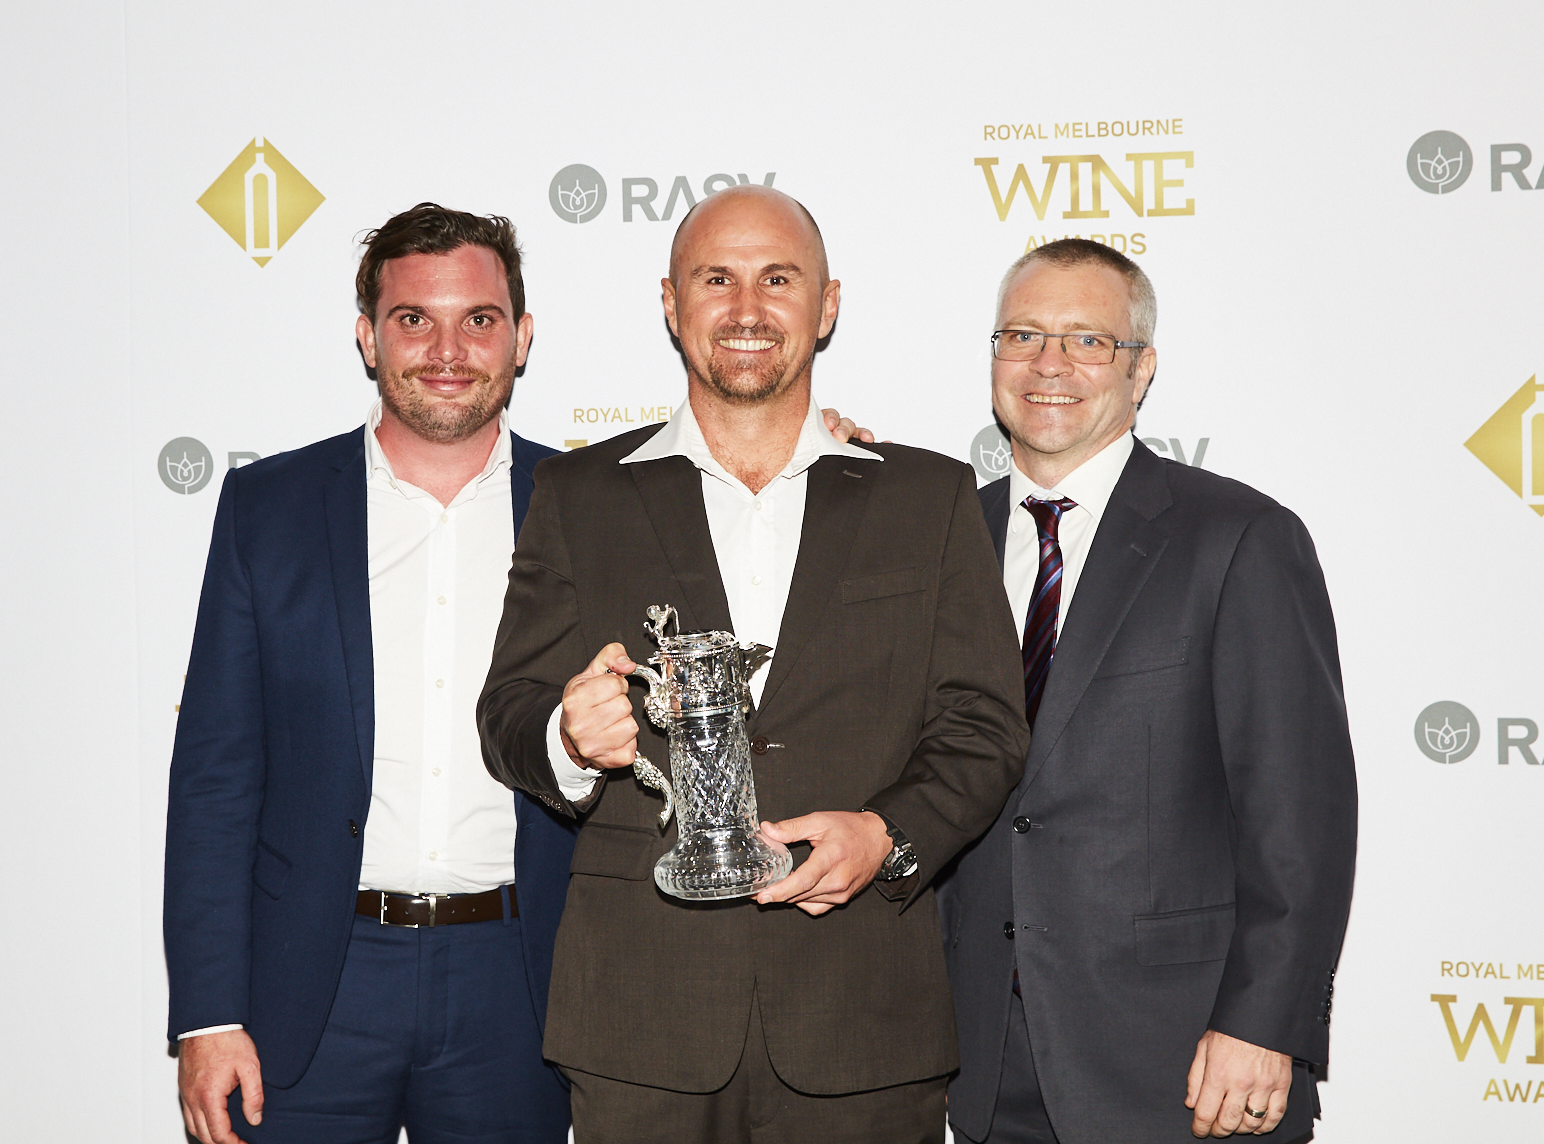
(1069, 252)
(432, 229)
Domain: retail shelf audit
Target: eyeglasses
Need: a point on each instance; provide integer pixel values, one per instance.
(1084, 349)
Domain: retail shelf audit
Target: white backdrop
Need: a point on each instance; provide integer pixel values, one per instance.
(1330, 328)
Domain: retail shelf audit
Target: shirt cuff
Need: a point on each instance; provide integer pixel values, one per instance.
(211, 1029)
(575, 782)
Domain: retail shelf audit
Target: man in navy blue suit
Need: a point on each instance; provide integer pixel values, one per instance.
(358, 919)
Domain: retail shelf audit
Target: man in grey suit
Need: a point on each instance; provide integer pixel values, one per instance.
(1167, 889)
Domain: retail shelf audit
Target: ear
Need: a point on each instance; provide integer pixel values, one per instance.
(830, 302)
(523, 330)
(365, 332)
(667, 294)
(1147, 365)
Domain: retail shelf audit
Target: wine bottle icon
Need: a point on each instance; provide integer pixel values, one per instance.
(1533, 494)
(261, 170)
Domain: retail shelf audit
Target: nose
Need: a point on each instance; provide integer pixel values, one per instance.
(1052, 360)
(747, 309)
(447, 346)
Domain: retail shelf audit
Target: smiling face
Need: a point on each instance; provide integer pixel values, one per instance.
(747, 295)
(1059, 413)
(443, 345)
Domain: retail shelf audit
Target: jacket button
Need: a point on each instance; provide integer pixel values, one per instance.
(1021, 826)
(353, 829)
(759, 745)
(1008, 930)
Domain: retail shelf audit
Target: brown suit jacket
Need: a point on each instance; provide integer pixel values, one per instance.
(895, 685)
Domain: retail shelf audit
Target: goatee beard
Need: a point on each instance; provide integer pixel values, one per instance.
(446, 422)
(766, 380)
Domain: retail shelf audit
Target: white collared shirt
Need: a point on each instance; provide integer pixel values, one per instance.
(755, 537)
(438, 822)
(1090, 486)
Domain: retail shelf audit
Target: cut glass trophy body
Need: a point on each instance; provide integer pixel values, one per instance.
(699, 696)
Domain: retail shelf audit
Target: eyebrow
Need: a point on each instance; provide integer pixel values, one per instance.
(406, 308)
(789, 268)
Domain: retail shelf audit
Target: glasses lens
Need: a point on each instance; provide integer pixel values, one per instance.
(1089, 349)
(1018, 345)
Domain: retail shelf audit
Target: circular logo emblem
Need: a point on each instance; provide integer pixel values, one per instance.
(1439, 162)
(185, 465)
(577, 193)
(1447, 732)
(990, 454)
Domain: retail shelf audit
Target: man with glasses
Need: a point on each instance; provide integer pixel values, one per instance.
(1143, 945)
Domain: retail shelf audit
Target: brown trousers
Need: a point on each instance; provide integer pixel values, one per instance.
(755, 1107)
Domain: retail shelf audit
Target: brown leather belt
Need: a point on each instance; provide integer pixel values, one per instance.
(430, 910)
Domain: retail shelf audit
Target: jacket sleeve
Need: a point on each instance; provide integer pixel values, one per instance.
(970, 754)
(215, 795)
(527, 674)
(1286, 751)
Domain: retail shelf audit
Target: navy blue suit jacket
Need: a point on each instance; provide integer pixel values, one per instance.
(271, 771)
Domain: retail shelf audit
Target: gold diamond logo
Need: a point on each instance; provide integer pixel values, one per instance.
(1511, 444)
(260, 200)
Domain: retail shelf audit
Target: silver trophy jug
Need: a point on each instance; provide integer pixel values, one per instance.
(700, 697)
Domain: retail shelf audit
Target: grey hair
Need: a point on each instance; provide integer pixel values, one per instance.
(1068, 252)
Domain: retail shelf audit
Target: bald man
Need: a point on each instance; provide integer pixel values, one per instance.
(888, 729)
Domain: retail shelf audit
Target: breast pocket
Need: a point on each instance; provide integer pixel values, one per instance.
(896, 582)
(1144, 658)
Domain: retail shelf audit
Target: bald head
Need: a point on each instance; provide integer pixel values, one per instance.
(751, 213)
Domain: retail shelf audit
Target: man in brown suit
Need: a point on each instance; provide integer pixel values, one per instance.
(887, 733)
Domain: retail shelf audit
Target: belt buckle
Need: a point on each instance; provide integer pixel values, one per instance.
(432, 899)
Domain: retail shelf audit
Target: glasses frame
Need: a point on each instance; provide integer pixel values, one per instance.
(1062, 338)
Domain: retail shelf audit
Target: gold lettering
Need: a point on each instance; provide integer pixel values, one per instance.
(1139, 243)
(1021, 179)
(1537, 1005)
(1461, 1045)
(1491, 1088)
(1520, 1091)
(1160, 184)
(1447, 969)
(1063, 130)
(580, 444)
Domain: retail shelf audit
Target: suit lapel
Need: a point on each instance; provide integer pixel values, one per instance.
(996, 509)
(671, 491)
(835, 496)
(348, 547)
(1122, 556)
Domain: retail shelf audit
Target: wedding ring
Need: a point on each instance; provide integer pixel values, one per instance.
(1256, 1115)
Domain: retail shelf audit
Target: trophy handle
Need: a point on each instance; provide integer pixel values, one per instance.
(651, 776)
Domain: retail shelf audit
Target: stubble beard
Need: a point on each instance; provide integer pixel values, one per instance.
(445, 422)
(754, 384)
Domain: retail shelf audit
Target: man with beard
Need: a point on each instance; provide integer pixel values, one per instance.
(358, 919)
(887, 730)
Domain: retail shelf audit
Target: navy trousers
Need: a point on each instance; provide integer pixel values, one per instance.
(432, 1029)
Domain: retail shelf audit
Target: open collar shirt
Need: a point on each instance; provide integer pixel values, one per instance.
(438, 822)
(755, 538)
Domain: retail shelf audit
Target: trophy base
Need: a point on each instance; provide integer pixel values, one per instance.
(727, 862)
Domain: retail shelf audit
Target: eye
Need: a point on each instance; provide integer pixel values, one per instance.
(1088, 341)
(776, 280)
(481, 321)
(1023, 337)
(412, 321)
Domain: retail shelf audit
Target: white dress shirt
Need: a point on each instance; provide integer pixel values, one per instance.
(438, 822)
(755, 537)
(1090, 485)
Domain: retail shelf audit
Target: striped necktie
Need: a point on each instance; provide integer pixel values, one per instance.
(1040, 623)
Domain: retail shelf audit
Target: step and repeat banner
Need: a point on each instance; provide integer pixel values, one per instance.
(1343, 218)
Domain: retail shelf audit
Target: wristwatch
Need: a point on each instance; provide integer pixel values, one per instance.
(902, 859)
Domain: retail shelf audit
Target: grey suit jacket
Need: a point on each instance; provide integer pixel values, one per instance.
(896, 685)
(1179, 853)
